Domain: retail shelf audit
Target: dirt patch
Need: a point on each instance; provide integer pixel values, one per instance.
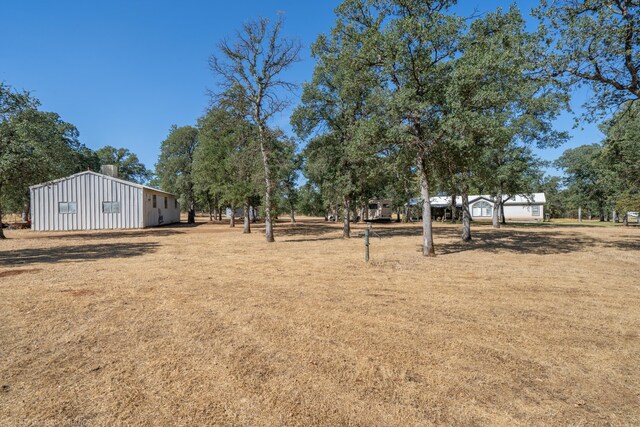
(9, 273)
(533, 325)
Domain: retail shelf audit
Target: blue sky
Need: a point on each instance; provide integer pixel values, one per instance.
(124, 71)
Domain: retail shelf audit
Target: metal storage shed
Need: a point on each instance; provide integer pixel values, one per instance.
(93, 201)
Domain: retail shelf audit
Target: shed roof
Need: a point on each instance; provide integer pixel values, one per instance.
(132, 184)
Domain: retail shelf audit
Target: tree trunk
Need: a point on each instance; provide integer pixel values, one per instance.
(427, 228)
(26, 208)
(625, 220)
(247, 218)
(398, 215)
(191, 216)
(466, 216)
(579, 214)
(210, 209)
(292, 213)
(503, 220)
(453, 208)
(232, 217)
(405, 218)
(268, 225)
(253, 214)
(2, 236)
(614, 216)
(601, 214)
(496, 211)
(346, 227)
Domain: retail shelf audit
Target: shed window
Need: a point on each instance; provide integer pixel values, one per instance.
(373, 206)
(482, 209)
(535, 210)
(155, 202)
(165, 203)
(67, 207)
(111, 207)
(176, 203)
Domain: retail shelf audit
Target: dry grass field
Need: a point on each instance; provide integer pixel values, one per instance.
(527, 325)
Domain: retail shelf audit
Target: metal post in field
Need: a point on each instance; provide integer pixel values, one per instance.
(366, 242)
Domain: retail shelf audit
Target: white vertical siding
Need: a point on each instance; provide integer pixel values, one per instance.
(152, 215)
(88, 190)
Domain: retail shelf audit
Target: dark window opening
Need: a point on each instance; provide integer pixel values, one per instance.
(155, 203)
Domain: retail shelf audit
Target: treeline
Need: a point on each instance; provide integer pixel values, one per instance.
(602, 180)
(409, 99)
(38, 146)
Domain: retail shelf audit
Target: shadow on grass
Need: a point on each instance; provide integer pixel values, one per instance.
(167, 230)
(516, 241)
(314, 230)
(545, 240)
(77, 253)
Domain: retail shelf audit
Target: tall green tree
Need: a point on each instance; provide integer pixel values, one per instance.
(585, 178)
(175, 166)
(595, 43)
(288, 168)
(410, 45)
(129, 166)
(336, 111)
(14, 152)
(497, 104)
(551, 186)
(55, 150)
(35, 147)
(620, 157)
(226, 162)
(310, 200)
(250, 68)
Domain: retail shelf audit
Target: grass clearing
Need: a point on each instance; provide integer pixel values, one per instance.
(204, 325)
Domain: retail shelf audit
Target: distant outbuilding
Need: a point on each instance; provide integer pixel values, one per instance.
(97, 201)
(520, 207)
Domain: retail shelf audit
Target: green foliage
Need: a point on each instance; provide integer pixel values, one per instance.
(620, 157)
(129, 166)
(342, 114)
(227, 162)
(594, 43)
(551, 186)
(309, 201)
(497, 105)
(584, 177)
(175, 165)
(35, 147)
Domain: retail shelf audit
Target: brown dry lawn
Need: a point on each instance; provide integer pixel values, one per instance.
(206, 326)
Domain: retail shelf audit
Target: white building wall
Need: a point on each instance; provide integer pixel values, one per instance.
(88, 191)
(159, 215)
(524, 212)
(520, 212)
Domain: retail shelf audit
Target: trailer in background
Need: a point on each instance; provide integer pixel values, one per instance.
(379, 210)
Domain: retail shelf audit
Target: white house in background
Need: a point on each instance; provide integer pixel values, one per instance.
(239, 213)
(94, 201)
(521, 207)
